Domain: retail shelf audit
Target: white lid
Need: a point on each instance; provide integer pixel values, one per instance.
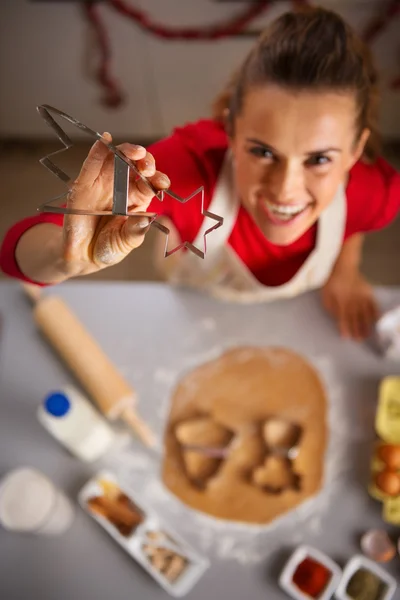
(57, 404)
(26, 499)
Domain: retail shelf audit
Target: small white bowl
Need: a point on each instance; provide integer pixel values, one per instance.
(302, 552)
(358, 562)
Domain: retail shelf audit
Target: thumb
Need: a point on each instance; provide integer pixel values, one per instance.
(134, 230)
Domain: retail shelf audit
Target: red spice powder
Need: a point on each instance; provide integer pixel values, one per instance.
(311, 577)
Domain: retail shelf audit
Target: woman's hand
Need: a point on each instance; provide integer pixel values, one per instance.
(49, 254)
(349, 298)
(92, 243)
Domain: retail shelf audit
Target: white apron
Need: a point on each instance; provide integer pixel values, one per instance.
(224, 275)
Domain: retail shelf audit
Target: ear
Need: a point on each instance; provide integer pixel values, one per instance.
(360, 146)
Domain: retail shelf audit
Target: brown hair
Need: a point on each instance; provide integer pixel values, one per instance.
(310, 48)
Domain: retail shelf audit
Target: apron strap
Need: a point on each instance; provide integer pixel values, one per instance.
(331, 228)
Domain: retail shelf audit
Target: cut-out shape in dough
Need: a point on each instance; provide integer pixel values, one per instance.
(203, 431)
(280, 434)
(204, 447)
(282, 437)
(199, 467)
(275, 475)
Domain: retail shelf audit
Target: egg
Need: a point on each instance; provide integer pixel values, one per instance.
(377, 545)
(388, 482)
(390, 455)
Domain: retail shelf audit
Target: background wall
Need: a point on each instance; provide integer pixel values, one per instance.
(43, 46)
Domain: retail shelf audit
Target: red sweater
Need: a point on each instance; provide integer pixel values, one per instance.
(192, 156)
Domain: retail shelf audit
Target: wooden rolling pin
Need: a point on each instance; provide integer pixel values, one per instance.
(92, 368)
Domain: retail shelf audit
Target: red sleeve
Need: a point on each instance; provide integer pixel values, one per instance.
(8, 263)
(373, 197)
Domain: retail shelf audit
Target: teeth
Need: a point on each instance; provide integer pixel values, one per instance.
(283, 217)
(285, 210)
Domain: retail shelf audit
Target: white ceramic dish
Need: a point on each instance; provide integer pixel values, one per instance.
(133, 543)
(358, 562)
(302, 552)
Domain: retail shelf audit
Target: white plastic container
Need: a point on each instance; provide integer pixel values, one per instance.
(31, 503)
(76, 424)
(133, 543)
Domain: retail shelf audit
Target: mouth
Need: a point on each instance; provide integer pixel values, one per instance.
(283, 214)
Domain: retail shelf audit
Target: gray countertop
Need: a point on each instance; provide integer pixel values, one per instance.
(154, 334)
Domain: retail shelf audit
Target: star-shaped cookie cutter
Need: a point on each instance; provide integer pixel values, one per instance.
(122, 165)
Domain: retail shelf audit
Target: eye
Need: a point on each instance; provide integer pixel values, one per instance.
(318, 160)
(261, 152)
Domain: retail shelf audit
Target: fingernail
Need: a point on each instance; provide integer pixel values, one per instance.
(164, 180)
(132, 225)
(146, 167)
(107, 135)
(143, 223)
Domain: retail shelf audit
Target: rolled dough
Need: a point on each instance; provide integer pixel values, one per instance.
(236, 394)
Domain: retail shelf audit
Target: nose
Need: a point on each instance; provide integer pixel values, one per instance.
(284, 181)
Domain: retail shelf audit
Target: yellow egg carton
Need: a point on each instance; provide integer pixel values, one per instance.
(385, 467)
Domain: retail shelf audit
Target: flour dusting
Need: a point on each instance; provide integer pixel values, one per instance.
(164, 376)
(208, 324)
(242, 542)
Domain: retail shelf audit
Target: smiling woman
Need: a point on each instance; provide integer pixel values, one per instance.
(290, 160)
(301, 112)
(293, 149)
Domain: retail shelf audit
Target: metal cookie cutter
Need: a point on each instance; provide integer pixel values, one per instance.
(122, 165)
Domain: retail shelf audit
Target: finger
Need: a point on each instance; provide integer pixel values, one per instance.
(93, 163)
(131, 151)
(142, 192)
(337, 311)
(327, 301)
(343, 320)
(366, 316)
(138, 154)
(133, 232)
(144, 161)
(365, 319)
(370, 315)
(373, 310)
(357, 321)
(115, 240)
(146, 165)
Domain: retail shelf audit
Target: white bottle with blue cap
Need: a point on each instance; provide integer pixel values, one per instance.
(76, 424)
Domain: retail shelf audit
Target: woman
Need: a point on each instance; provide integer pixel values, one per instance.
(290, 160)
